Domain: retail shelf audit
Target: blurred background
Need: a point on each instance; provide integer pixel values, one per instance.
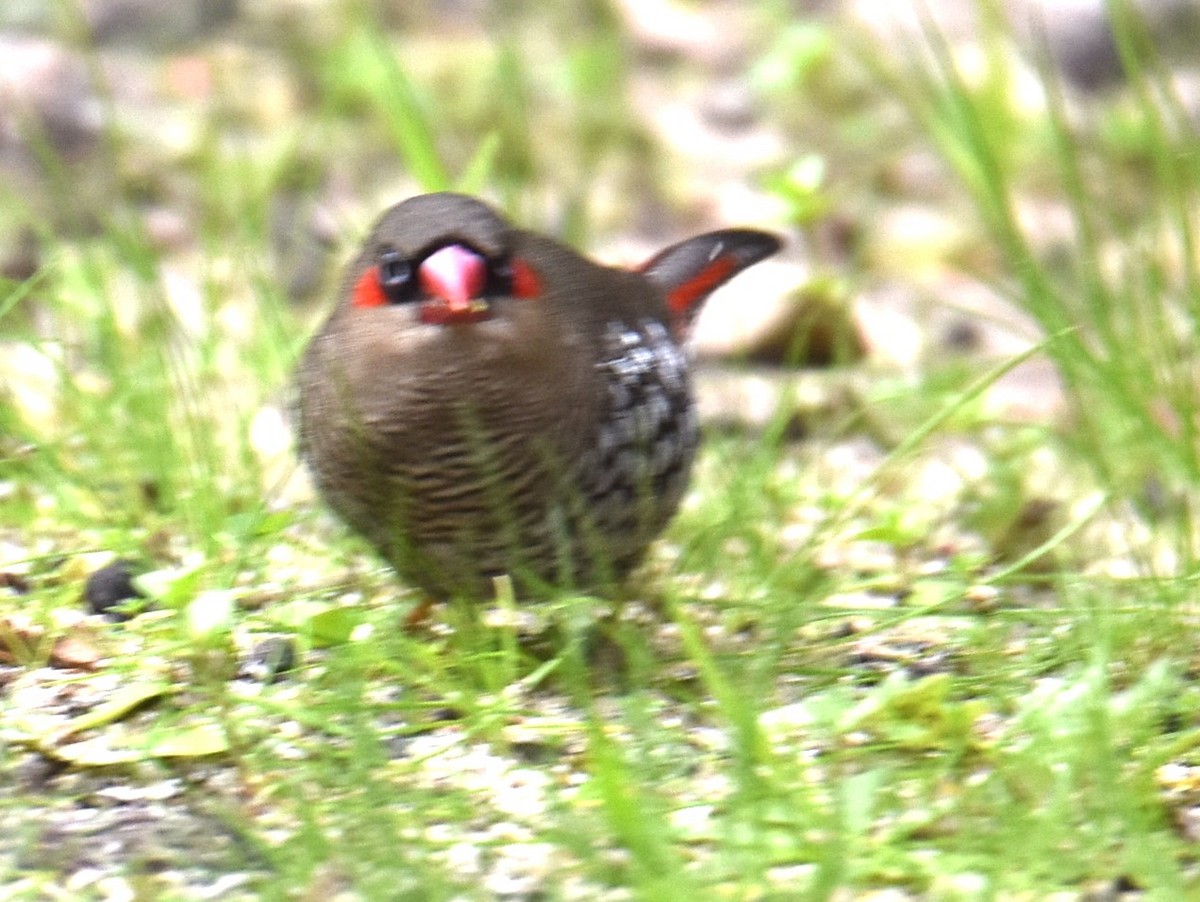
(1000, 190)
(236, 150)
(926, 622)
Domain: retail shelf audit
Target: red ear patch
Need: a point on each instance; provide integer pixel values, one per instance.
(367, 290)
(525, 281)
(682, 297)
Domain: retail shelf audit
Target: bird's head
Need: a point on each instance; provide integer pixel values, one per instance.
(446, 257)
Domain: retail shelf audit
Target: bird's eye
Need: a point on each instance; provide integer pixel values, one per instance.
(514, 277)
(500, 277)
(396, 277)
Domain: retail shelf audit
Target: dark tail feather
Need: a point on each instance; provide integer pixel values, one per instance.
(688, 272)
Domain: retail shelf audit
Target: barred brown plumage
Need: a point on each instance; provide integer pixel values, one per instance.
(484, 401)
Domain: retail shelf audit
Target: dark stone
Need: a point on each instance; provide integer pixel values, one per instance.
(270, 659)
(109, 586)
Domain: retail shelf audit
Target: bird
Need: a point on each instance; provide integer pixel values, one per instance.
(483, 401)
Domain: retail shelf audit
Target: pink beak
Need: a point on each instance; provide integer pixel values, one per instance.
(454, 275)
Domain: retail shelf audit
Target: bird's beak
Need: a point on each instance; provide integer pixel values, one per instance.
(452, 279)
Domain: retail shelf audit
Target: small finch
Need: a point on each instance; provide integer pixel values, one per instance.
(485, 401)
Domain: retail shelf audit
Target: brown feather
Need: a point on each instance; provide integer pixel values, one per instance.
(551, 441)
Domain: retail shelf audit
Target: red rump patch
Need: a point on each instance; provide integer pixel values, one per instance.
(525, 283)
(367, 290)
(681, 298)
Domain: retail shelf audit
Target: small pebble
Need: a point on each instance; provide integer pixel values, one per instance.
(270, 659)
(109, 586)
